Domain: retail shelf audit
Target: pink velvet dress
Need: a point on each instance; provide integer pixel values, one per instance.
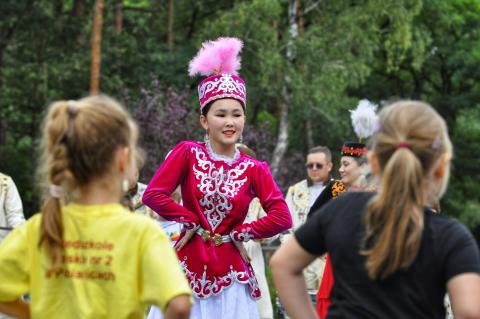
(216, 193)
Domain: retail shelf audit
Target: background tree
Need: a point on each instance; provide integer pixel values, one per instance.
(442, 67)
(344, 51)
(97, 46)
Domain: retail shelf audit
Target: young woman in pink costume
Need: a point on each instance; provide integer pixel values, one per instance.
(217, 184)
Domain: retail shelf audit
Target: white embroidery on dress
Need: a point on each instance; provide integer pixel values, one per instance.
(242, 236)
(204, 288)
(217, 157)
(218, 186)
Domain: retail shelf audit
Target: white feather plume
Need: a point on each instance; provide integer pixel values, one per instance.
(364, 119)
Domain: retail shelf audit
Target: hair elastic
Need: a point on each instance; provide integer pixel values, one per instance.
(377, 128)
(403, 145)
(437, 142)
(72, 108)
(55, 191)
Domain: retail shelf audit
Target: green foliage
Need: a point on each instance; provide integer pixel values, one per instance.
(267, 117)
(347, 50)
(253, 21)
(335, 51)
(463, 196)
(137, 3)
(442, 67)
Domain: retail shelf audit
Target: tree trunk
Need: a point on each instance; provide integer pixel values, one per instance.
(78, 8)
(96, 47)
(118, 17)
(301, 19)
(78, 11)
(284, 105)
(301, 67)
(170, 24)
(282, 140)
(193, 21)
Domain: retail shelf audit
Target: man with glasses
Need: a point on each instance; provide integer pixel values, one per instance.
(300, 198)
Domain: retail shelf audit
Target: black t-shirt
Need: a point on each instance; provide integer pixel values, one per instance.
(447, 249)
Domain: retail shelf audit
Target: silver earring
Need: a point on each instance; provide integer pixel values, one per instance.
(125, 185)
(206, 138)
(240, 140)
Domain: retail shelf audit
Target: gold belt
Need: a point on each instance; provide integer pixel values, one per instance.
(217, 239)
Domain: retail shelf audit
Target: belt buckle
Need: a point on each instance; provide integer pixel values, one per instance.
(206, 235)
(217, 239)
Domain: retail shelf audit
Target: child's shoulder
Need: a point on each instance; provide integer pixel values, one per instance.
(143, 222)
(139, 220)
(31, 227)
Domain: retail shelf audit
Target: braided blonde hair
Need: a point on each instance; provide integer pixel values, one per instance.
(79, 140)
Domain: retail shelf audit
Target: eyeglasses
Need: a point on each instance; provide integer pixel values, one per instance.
(314, 165)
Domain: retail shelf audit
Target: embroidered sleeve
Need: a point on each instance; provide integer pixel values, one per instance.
(278, 218)
(242, 234)
(168, 176)
(13, 205)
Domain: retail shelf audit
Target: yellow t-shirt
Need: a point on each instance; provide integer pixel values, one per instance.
(115, 264)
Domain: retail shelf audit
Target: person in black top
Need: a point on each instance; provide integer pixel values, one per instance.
(393, 256)
(332, 190)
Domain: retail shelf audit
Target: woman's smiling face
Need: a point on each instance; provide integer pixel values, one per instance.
(224, 122)
(349, 170)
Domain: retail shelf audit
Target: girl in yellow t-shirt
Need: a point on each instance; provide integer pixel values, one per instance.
(85, 255)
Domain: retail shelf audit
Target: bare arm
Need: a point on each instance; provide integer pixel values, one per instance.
(464, 290)
(178, 308)
(287, 264)
(17, 309)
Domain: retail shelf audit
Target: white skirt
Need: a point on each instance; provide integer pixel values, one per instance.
(234, 302)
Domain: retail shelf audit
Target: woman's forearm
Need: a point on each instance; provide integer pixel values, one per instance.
(293, 294)
(17, 309)
(287, 264)
(178, 308)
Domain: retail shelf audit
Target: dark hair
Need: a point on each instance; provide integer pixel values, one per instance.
(207, 107)
(360, 159)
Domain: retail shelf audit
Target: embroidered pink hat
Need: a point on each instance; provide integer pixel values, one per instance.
(219, 61)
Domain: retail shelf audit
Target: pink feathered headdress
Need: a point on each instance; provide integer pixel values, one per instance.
(219, 61)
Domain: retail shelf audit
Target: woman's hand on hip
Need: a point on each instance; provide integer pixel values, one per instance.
(185, 239)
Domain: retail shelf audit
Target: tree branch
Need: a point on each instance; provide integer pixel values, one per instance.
(311, 7)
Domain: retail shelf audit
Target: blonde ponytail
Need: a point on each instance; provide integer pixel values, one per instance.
(396, 216)
(406, 154)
